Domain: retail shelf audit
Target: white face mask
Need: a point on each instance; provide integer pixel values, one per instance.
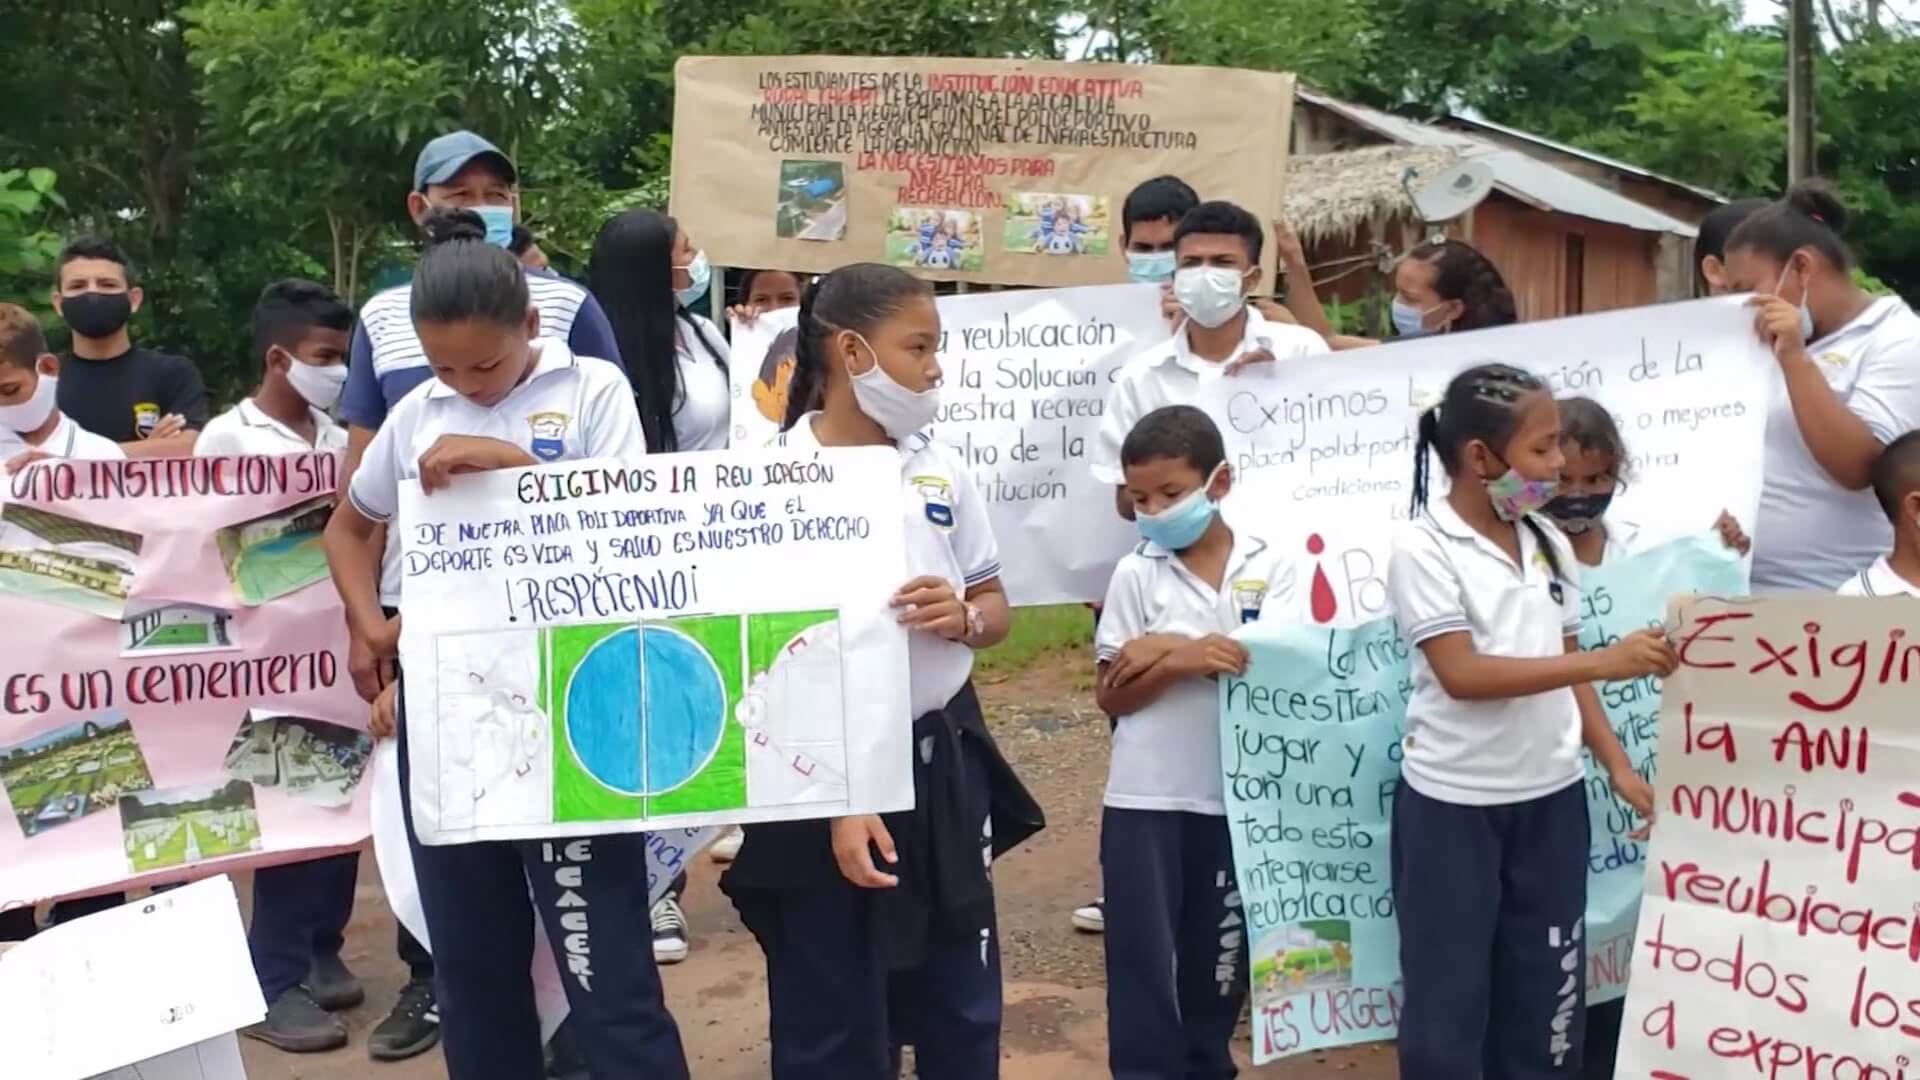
(899, 411)
(1209, 294)
(33, 412)
(319, 386)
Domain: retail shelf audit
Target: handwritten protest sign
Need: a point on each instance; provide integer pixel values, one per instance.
(1027, 375)
(1009, 171)
(1310, 742)
(1323, 447)
(617, 646)
(176, 693)
(1780, 928)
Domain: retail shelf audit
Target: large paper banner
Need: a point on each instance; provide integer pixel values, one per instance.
(1310, 741)
(1009, 171)
(176, 691)
(1323, 447)
(1781, 925)
(617, 646)
(1027, 376)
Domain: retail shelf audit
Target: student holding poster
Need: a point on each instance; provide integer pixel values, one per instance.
(479, 330)
(880, 932)
(1490, 831)
(1852, 368)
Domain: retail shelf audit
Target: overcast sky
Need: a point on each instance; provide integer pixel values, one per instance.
(1766, 11)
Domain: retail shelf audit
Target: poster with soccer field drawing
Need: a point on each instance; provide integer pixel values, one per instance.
(650, 644)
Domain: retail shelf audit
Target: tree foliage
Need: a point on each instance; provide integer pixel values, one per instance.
(229, 142)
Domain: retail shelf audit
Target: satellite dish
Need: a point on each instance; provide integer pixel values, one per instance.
(1449, 193)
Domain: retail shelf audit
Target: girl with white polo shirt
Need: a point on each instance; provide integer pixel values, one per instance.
(645, 271)
(493, 374)
(1489, 842)
(879, 931)
(1851, 364)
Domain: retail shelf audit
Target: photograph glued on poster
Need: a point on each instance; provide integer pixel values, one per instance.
(614, 646)
(964, 135)
(933, 239)
(812, 202)
(1058, 224)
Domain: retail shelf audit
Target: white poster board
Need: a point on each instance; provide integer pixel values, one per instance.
(1781, 923)
(625, 646)
(1322, 447)
(1027, 375)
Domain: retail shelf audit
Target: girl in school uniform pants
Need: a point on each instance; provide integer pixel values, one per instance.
(879, 932)
(1489, 848)
(471, 308)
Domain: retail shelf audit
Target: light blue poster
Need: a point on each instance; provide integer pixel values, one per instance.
(1310, 746)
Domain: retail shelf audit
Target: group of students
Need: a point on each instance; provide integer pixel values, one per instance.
(879, 931)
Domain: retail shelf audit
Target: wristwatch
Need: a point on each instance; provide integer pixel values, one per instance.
(976, 621)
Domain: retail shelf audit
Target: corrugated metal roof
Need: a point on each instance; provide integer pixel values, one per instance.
(1476, 120)
(1517, 175)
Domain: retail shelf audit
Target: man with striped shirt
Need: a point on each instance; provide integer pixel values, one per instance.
(464, 171)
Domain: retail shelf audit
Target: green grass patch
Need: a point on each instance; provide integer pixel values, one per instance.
(179, 634)
(1061, 633)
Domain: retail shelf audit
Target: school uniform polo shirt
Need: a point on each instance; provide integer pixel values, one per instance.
(568, 408)
(1170, 374)
(702, 418)
(1167, 755)
(244, 429)
(69, 440)
(1445, 578)
(1878, 580)
(948, 537)
(1811, 532)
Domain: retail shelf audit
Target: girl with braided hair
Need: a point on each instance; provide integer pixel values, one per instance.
(879, 931)
(1447, 286)
(1489, 838)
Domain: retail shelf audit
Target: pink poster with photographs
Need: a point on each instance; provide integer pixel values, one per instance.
(175, 700)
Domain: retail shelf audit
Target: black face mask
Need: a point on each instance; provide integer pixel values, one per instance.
(1577, 513)
(97, 314)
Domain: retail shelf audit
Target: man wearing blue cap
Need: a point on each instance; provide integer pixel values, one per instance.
(464, 171)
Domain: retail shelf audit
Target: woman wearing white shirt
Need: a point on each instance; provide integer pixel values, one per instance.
(1851, 364)
(644, 272)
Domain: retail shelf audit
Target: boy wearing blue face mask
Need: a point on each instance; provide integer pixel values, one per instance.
(1165, 853)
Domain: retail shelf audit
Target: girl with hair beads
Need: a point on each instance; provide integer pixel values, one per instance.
(493, 373)
(880, 932)
(1489, 843)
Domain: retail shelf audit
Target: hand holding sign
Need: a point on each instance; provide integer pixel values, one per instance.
(451, 455)
(1643, 652)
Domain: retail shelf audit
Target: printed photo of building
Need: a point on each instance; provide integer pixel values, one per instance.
(175, 627)
(276, 554)
(62, 560)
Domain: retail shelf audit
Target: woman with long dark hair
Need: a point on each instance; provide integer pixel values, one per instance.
(644, 271)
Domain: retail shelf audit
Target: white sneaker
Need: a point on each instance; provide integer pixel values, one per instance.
(727, 848)
(1092, 918)
(669, 932)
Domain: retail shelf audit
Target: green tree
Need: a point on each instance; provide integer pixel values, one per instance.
(29, 208)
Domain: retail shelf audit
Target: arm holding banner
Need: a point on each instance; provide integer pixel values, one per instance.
(1839, 440)
(1597, 735)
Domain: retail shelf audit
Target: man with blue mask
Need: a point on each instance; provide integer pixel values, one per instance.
(1147, 220)
(458, 170)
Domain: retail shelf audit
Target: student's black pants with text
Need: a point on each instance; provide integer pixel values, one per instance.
(1491, 902)
(1176, 945)
(591, 894)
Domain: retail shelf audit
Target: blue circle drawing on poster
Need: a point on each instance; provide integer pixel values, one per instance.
(667, 688)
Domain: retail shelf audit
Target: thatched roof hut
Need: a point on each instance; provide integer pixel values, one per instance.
(1330, 197)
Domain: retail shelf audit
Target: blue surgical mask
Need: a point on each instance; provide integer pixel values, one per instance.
(699, 275)
(1181, 525)
(499, 221)
(1409, 321)
(1152, 267)
(1806, 316)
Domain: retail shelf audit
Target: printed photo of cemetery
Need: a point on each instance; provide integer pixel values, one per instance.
(71, 772)
(188, 824)
(308, 759)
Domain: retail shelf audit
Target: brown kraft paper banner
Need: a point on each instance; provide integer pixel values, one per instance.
(995, 171)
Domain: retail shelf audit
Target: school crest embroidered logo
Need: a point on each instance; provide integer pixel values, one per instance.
(549, 435)
(1248, 596)
(937, 497)
(146, 417)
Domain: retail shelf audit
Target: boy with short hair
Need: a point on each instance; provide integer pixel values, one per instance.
(30, 417)
(1148, 217)
(1896, 483)
(1165, 852)
(301, 909)
(300, 335)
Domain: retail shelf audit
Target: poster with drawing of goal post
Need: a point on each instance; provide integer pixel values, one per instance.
(617, 646)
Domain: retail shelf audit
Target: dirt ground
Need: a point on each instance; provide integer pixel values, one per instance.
(1055, 996)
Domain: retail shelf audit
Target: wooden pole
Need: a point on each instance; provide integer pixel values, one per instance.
(1800, 119)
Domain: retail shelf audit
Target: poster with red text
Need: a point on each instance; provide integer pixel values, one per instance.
(1780, 931)
(175, 701)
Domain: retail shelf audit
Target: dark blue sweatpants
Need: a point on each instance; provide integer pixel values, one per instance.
(1176, 945)
(300, 913)
(591, 893)
(1492, 904)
